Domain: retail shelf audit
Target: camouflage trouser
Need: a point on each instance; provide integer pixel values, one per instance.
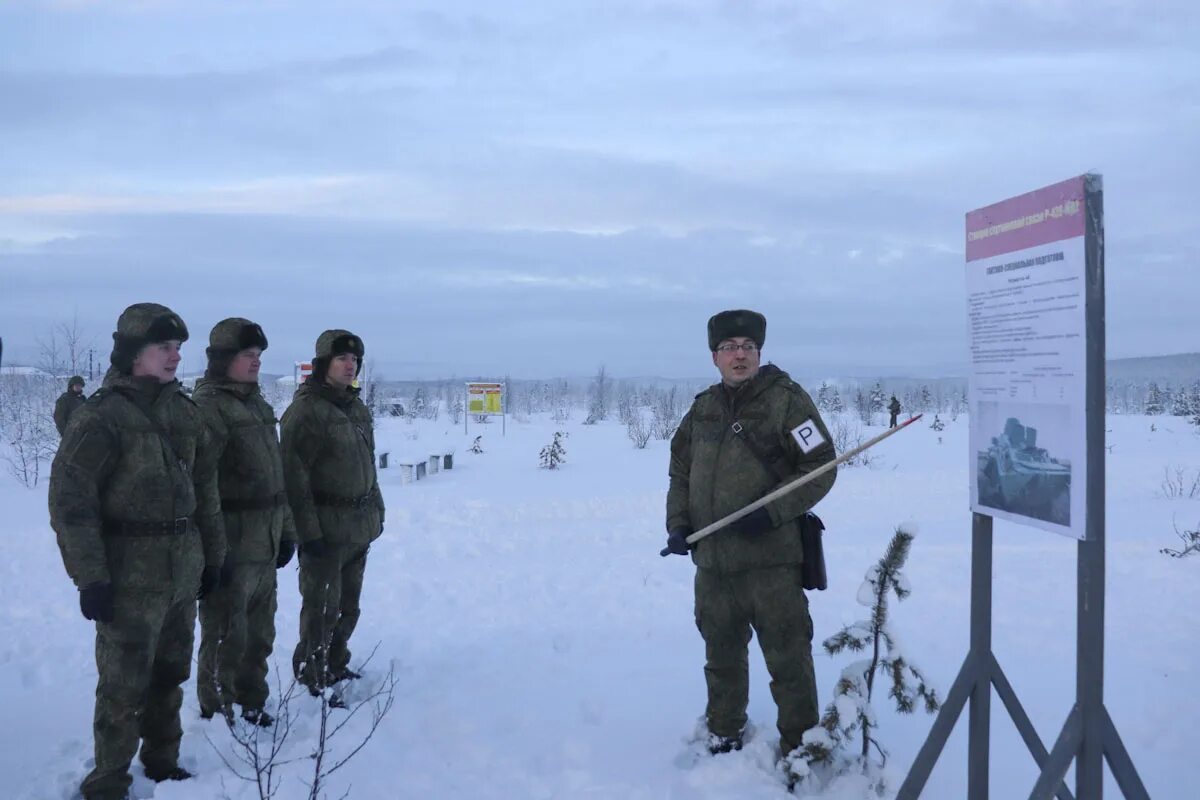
(237, 635)
(142, 657)
(329, 589)
(771, 601)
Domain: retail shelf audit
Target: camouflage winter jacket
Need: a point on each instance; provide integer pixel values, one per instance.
(249, 468)
(133, 480)
(66, 405)
(329, 465)
(735, 446)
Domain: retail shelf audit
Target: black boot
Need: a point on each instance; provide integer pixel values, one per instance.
(343, 674)
(208, 713)
(175, 773)
(723, 744)
(257, 716)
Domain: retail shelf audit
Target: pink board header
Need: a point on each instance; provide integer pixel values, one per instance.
(1039, 217)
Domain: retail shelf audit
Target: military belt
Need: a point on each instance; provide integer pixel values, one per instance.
(323, 499)
(128, 527)
(253, 503)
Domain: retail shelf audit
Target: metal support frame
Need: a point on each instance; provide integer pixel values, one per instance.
(1088, 736)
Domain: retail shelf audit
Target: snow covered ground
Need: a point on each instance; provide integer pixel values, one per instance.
(544, 650)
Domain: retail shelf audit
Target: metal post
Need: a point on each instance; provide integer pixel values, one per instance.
(979, 725)
(1089, 657)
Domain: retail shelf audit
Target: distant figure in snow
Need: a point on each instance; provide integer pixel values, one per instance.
(743, 437)
(68, 403)
(894, 409)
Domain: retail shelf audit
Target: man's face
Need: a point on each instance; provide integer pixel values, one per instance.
(158, 360)
(76, 388)
(343, 369)
(245, 365)
(737, 362)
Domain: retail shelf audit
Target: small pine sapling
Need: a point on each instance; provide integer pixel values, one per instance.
(827, 747)
(554, 454)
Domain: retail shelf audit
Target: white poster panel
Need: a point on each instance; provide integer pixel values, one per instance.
(1026, 284)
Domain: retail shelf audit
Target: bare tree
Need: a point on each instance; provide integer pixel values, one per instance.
(30, 439)
(50, 354)
(598, 397)
(257, 754)
(75, 343)
(63, 349)
(1191, 543)
(666, 414)
(368, 382)
(627, 402)
(1177, 483)
(637, 429)
(847, 437)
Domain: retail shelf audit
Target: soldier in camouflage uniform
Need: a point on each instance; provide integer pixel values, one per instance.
(737, 443)
(329, 462)
(237, 621)
(134, 502)
(68, 403)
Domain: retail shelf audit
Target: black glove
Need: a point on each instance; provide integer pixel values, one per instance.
(287, 549)
(210, 579)
(756, 522)
(227, 572)
(314, 548)
(677, 542)
(96, 602)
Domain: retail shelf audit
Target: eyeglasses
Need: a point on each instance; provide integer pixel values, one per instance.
(748, 347)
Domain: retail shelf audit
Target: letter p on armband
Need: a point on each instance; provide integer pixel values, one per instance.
(808, 436)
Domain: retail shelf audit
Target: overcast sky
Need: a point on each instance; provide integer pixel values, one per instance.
(538, 188)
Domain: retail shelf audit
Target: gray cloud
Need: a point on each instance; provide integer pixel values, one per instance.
(532, 304)
(543, 187)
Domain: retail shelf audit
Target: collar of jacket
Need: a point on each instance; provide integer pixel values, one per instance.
(239, 389)
(144, 390)
(339, 397)
(736, 397)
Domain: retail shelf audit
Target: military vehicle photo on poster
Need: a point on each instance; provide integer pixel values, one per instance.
(1026, 278)
(1025, 469)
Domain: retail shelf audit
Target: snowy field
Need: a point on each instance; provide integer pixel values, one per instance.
(543, 649)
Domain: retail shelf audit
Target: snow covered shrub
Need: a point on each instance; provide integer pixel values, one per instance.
(1191, 543)
(554, 454)
(1177, 483)
(476, 446)
(828, 746)
(30, 439)
(259, 755)
(637, 429)
(937, 424)
(666, 414)
(627, 403)
(846, 437)
(598, 397)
